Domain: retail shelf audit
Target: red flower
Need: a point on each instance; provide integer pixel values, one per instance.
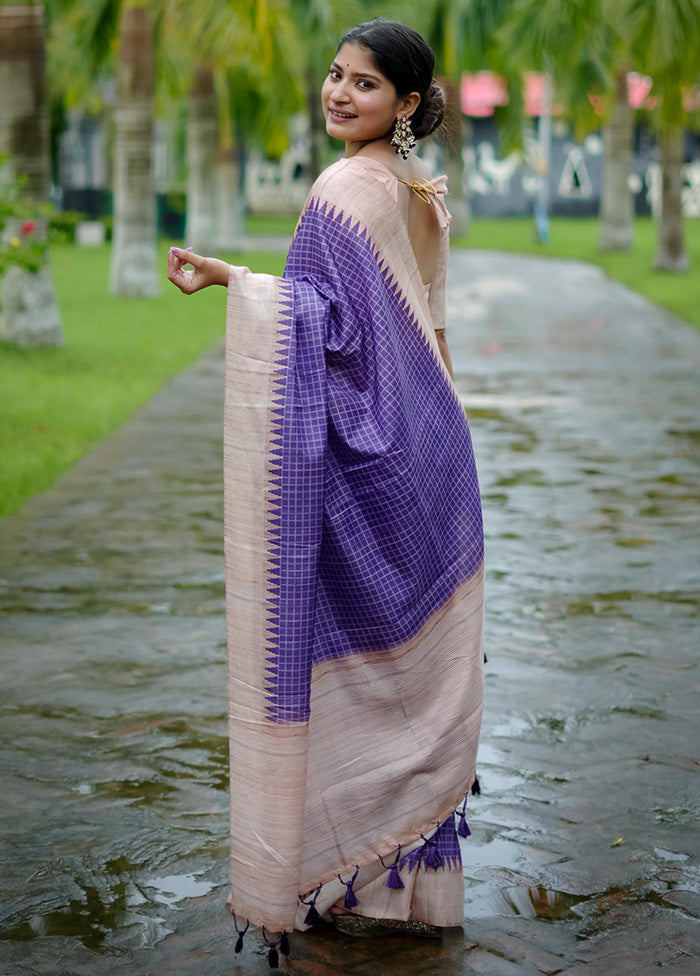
(28, 226)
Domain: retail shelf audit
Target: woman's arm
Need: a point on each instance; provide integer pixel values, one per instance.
(444, 351)
(206, 271)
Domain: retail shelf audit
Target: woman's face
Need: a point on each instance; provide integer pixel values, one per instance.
(359, 103)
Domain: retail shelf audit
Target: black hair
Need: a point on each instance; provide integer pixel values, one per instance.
(405, 58)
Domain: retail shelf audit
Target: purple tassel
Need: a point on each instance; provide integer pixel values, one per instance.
(486, 660)
(312, 916)
(241, 933)
(394, 880)
(273, 957)
(350, 900)
(476, 787)
(432, 856)
(284, 944)
(463, 827)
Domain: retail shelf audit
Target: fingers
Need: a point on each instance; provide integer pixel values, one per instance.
(186, 256)
(177, 259)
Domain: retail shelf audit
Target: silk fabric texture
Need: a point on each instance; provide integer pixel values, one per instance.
(354, 568)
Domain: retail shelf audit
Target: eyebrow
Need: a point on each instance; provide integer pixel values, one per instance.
(357, 74)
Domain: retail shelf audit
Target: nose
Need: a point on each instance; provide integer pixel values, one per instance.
(340, 92)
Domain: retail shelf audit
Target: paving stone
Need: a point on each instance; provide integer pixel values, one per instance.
(489, 964)
(517, 949)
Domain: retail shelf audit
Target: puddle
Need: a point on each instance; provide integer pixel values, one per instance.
(177, 887)
(544, 903)
(670, 855)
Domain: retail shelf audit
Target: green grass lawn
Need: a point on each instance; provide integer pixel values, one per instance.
(576, 238)
(58, 403)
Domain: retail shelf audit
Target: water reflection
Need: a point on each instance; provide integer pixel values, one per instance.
(537, 901)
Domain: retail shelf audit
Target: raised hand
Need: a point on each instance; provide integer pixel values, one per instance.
(205, 271)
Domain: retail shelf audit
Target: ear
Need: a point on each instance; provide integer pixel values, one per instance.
(409, 104)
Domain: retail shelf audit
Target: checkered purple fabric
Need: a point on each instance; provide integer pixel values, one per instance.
(378, 517)
(439, 851)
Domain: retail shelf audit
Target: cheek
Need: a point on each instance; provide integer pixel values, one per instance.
(325, 92)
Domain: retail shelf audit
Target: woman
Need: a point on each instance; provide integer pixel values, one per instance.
(354, 548)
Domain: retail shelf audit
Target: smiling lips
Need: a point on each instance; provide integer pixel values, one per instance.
(341, 115)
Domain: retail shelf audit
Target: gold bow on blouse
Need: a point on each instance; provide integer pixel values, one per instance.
(422, 188)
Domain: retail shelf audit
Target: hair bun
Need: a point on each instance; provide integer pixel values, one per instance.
(430, 113)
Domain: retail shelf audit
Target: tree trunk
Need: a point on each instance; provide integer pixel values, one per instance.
(317, 126)
(670, 243)
(230, 205)
(454, 163)
(29, 314)
(134, 254)
(544, 160)
(617, 205)
(230, 199)
(202, 151)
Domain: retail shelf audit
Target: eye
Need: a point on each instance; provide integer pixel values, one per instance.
(334, 73)
(366, 85)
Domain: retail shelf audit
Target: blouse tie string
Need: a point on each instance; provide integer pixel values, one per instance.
(422, 188)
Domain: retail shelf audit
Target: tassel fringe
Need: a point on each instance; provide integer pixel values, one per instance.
(273, 956)
(463, 827)
(312, 916)
(431, 855)
(241, 932)
(350, 900)
(394, 880)
(476, 787)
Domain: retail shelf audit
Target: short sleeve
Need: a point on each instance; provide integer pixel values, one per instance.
(437, 300)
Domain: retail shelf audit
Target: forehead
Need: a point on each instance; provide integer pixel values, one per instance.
(357, 58)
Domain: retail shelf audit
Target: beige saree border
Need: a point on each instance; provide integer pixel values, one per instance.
(267, 760)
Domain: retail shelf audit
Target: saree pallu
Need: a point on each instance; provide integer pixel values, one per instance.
(354, 573)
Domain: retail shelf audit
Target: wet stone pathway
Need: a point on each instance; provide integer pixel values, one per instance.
(584, 402)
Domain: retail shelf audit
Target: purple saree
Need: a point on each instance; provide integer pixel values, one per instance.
(354, 568)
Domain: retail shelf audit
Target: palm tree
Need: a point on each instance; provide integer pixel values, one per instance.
(134, 248)
(29, 312)
(585, 44)
(230, 202)
(202, 156)
(238, 56)
(667, 45)
(616, 218)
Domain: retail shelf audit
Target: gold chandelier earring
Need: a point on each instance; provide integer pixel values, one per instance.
(403, 139)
